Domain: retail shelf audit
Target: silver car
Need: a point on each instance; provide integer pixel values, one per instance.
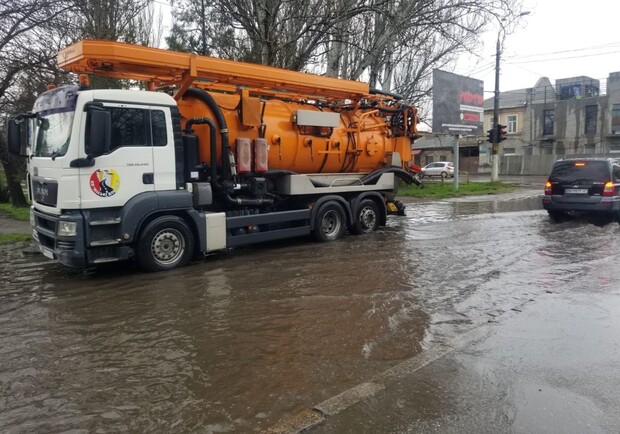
(439, 168)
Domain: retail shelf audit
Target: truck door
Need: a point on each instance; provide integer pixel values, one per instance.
(163, 149)
(127, 169)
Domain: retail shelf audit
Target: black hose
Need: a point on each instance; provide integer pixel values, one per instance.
(244, 201)
(373, 177)
(390, 94)
(206, 97)
(212, 145)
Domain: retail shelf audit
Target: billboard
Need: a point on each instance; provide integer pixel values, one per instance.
(457, 104)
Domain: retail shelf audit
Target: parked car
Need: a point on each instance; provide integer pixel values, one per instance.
(583, 186)
(439, 168)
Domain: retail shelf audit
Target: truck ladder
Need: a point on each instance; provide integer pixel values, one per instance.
(163, 68)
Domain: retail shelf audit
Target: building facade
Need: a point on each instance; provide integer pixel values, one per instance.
(571, 118)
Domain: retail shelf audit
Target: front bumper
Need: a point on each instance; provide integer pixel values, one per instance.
(69, 251)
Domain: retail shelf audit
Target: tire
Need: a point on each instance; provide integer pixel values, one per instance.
(444, 175)
(420, 174)
(164, 244)
(366, 217)
(330, 222)
(557, 216)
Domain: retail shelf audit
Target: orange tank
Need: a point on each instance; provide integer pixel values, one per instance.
(311, 123)
(359, 143)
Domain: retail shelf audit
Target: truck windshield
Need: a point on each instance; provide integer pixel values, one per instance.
(53, 132)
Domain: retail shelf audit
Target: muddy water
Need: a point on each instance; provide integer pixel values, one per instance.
(237, 342)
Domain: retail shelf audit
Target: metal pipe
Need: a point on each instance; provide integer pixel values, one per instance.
(212, 145)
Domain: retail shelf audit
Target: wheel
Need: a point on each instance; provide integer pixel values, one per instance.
(444, 175)
(367, 217)
(164, 244)
(557, 216)
(420, 175)
(329, 223)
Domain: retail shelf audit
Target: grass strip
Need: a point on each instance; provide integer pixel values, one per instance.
(21, 213)
(13, 238)
(440, 190)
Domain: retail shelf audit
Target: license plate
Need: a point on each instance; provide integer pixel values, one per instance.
(47, 253)
(576, 191)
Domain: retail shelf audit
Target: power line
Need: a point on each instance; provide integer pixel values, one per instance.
(565, 58)
(594, 47)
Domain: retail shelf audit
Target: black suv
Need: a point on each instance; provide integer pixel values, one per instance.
(583, 186)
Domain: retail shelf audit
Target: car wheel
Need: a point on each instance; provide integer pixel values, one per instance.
(329, 223)
(367, 217)
(164, 244)
(444, 175)
(421, 175)
(557, 216)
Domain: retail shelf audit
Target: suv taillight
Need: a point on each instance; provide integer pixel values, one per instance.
(609, 189)
(547, 188)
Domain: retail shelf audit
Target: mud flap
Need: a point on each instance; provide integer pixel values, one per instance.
(396, 207)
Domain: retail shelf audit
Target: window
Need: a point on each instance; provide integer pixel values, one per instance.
(511, 122)
(528, 150)
(135, 127)
(546, 150)
(590, 149)
(549, 121)
(509, 151)
(559, 149)
(442, 158)
(614, 149)
(429, 159)
(615, 172)
(615, 119)
(591, 115)
(158, 125)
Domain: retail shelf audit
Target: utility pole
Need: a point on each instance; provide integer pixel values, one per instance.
(495, 133)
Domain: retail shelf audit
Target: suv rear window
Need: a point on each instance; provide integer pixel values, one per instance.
(576, 171)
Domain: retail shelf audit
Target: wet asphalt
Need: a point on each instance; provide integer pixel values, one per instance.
(551, 365)
(474, 314)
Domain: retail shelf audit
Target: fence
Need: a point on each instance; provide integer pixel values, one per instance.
(526, 164)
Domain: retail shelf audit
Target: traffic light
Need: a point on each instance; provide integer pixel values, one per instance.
(491, 136)
(501, 133)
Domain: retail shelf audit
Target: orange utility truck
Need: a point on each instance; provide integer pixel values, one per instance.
(214, 154)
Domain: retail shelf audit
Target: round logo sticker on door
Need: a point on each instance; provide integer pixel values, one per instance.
(105, 182)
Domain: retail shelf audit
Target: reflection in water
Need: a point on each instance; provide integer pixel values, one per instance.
(230, 344)
(236, 342)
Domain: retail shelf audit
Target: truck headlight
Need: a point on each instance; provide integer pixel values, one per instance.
(67, 229)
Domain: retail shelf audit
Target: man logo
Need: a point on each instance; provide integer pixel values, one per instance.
(105, 182)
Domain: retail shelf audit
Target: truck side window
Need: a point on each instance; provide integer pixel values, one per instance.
(134, 127)
(158, 126)
(129, 127)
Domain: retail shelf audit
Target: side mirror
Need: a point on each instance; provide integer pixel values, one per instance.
(14, 136)
(100, 132)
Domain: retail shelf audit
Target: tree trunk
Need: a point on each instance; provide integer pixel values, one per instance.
(14, 170)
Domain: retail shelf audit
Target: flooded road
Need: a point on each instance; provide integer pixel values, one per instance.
(241, 340)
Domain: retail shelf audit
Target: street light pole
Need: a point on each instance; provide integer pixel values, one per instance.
(495, 134)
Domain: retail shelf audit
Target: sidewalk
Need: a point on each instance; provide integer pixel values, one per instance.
(522, 180)
(552, 365)
(9, 225)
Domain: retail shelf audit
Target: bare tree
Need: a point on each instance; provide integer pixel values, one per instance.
(28, 37)
(393, 44)
(286, 33)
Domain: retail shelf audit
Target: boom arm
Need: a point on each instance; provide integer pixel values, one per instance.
(161, 68)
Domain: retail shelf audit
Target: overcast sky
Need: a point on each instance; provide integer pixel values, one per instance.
(558, 39)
